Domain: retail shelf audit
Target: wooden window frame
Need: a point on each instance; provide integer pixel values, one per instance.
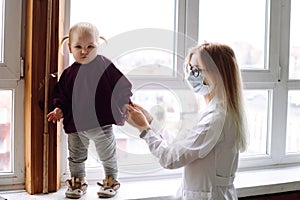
(38, 176)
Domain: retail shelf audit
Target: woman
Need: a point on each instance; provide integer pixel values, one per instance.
(209, 151)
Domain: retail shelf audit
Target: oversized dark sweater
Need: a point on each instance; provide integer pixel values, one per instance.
(92, 95)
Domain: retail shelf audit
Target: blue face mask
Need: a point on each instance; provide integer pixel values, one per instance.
(198, 84)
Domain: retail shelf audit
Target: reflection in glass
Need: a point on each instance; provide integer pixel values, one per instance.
(294, 63)
(5, 130)
(150, 62)
(234, 23)
(293, 125)
(256, 106)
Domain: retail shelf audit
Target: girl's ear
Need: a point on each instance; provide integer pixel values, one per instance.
(69, 45)
(103, 38)
(63, 40)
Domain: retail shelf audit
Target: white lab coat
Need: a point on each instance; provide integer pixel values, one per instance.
(206, 151)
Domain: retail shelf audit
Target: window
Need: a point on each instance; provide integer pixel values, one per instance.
(9, 37)
(293, 140)
(257, 46)
(257, 112)
(236, 26)
(2, 10)
(246, 34)
(133, 46)
(294, 64)
(131, 37)
(5, 130)
(259, 40)
(11, 95)
(293, 97)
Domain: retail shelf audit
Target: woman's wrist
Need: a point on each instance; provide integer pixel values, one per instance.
(145, 128)
(144, 131)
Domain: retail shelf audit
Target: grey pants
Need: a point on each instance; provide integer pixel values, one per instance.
(105, 144)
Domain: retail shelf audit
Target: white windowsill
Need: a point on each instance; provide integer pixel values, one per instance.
(267, 181)
(248, 183)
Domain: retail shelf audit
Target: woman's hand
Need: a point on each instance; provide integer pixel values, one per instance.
(55, 115)
(136, 118)
(145, 112)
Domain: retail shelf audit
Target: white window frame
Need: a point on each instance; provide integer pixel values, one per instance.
(277, 81)
(10, 78)
(273, 78)
(10, 69)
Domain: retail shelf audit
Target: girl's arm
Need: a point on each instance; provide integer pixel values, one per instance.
(55, 116)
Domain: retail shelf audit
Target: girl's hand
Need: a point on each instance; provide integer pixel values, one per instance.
(55, 115)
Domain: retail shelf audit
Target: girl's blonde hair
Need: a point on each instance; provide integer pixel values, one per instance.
(82, 28)
(221, 59)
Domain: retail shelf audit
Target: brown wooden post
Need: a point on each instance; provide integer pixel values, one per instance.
(35, 60)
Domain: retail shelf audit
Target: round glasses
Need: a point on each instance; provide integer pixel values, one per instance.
(196, 70)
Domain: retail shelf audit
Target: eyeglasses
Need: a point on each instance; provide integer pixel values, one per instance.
(196, 70)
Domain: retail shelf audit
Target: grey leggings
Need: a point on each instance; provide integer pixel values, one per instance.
(105, 144)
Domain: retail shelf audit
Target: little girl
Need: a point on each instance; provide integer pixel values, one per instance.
(90, 97)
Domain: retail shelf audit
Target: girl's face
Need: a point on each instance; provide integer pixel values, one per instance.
(83, 47)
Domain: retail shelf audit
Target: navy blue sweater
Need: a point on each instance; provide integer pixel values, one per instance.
(92, 95)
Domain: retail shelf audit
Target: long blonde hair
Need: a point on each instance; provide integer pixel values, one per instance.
(223, 57)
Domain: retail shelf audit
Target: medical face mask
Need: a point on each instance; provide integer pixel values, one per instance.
(198, 84)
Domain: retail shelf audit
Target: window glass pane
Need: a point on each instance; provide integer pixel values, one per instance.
(168, 111)
(5, 130)
(121, 26)
(1, 29)
(122, 33)
(257, 109)
(233, 22)
(294, 68)
(293, 125)
(146, 62)
(171, 110)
